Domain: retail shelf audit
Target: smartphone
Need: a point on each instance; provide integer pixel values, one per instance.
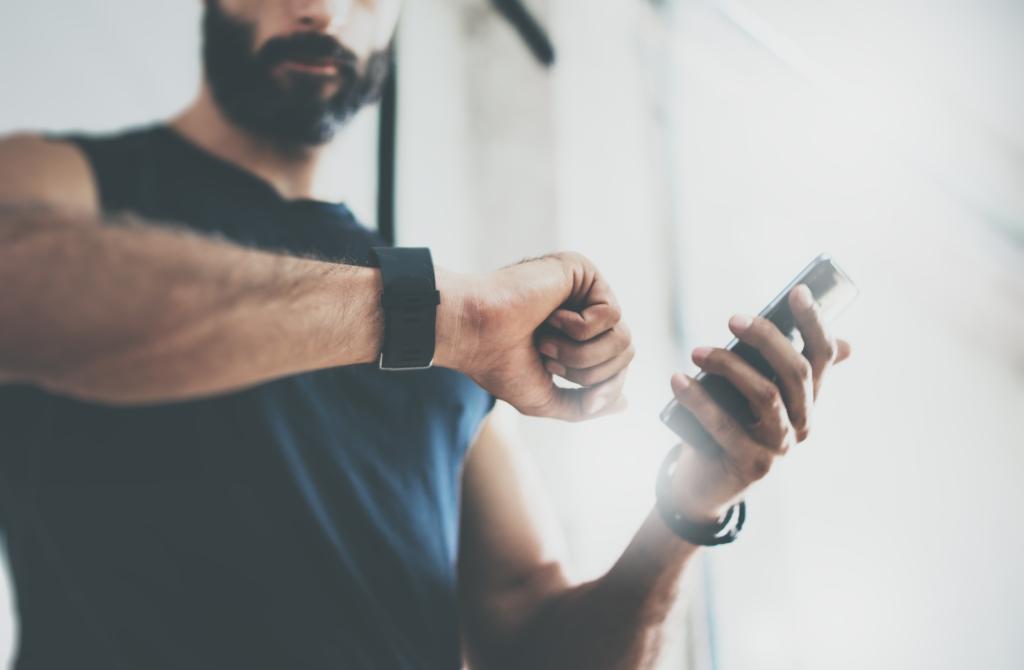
(831, 288)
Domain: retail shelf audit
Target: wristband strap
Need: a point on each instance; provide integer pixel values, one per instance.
(410, 299)
(707, 535)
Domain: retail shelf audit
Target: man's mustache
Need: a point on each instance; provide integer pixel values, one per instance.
(306, 47)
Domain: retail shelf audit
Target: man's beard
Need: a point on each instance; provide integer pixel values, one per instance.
(245, 89)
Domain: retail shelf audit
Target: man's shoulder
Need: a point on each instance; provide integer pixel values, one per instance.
(35, 169)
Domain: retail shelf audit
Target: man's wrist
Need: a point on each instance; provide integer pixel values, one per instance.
(687, 500)
(457, 315)
(458, 321)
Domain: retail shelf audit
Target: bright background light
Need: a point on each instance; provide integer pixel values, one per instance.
(889, 134)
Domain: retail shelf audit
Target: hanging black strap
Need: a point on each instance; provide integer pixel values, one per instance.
(528, 28)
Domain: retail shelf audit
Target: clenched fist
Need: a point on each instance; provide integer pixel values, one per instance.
(513, 330)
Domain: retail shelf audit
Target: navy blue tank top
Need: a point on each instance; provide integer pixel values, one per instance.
(309, 522)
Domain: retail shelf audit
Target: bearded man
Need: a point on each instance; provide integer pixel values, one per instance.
(203, 463)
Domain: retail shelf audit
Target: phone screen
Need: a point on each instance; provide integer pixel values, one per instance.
(831, 288)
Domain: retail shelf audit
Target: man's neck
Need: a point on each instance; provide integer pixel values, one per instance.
(290, 172)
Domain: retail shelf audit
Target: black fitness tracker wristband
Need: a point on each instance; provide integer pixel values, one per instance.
(410, 299)
(707, 535)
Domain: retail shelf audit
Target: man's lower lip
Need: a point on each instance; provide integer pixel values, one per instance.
(327, 69)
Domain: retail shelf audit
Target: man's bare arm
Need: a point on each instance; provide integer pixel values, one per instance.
(135, 312)
(519, 609)
(131, 311)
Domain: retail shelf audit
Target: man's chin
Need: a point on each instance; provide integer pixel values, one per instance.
(301, 135)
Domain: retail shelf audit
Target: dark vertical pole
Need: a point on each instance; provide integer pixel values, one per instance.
(386, 138)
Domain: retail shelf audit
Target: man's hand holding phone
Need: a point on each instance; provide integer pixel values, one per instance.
(708, 481)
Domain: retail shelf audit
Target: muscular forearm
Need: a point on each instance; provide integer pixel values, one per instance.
(142, 313)
(613, 622)
(136, 313)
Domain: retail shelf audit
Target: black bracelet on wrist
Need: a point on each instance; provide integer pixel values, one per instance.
(409, 300)
(704, 534)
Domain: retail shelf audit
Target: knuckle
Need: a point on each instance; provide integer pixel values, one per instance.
(577, 330)
(546, 409)
(682, 389)
(720, 423)
(565, 256)
(622, 337)
(759, 466)
(812, 313)
(798, 419)
(802, 371)
(775, 433)
(572, 355)
(761, 328)
(587, 377)
(787, 441)
(767, 396)
(715, 360)
(540, 411)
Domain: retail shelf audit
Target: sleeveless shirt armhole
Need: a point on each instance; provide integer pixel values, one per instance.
(112, 165)
(486, 407)
(101, 160)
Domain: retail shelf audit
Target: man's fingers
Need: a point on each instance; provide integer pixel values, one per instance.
(772, 426)
(794, 374)
(844, 350)
(593, 375)
(749, 460)
(819, 347)
(588, 324)
(587, 403)
(591, 308)
(581, 355)
(599, 400)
